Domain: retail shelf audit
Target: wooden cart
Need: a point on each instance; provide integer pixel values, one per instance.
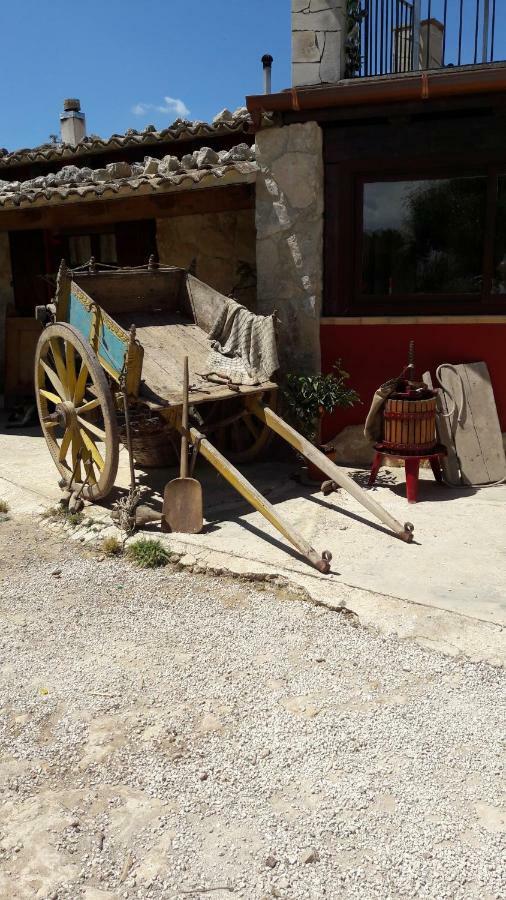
(123, 334)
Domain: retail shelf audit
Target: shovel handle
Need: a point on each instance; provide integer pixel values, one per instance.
(184, 422)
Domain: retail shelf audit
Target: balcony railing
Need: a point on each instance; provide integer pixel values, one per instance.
(389, 36)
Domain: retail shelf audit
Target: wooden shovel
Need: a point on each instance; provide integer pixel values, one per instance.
(182, 497)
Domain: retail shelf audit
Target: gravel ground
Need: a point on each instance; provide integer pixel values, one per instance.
(169, 735)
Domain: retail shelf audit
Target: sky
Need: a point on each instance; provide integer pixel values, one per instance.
(132, 64)
(146, 62)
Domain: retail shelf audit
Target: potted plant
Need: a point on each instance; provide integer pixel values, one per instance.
(309, 397)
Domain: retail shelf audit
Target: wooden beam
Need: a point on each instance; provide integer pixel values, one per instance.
(157, 206)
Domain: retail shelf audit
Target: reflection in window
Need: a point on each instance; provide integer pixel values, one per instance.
(424, 236)
(499, 281)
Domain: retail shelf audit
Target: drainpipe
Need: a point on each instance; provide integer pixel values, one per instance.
(267, 61)
(416, 34)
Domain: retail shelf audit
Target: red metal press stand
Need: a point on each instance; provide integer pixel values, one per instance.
(411, 465)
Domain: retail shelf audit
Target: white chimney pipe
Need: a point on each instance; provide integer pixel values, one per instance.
(267, 61)
(72, 123)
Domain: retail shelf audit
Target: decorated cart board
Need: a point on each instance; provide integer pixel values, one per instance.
(120, 336)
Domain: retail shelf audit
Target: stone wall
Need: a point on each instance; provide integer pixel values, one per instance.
(318, 41)
(222, 246)
(289, 221)
(6, 297)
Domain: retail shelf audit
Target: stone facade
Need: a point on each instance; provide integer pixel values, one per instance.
(318, 41)
(289, 222)
(6, 296)
(222, 246)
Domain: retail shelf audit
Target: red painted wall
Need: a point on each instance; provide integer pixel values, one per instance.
(374, 353)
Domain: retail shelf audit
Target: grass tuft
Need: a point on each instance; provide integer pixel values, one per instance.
(111, 546)
(4, 507)
(148, 554)
(61, 513)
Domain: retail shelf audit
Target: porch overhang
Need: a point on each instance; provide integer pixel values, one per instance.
(226, 187)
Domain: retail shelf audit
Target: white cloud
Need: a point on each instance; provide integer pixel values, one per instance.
(170, 106)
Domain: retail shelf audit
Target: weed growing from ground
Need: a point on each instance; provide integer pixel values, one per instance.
(61, 513)
(147, 554)
(4, 507)
(111, 546)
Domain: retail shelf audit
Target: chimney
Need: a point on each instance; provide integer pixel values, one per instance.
(72, 122)
(318, 41)
(267, 61)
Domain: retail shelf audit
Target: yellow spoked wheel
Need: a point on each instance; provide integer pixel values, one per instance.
(76, 411)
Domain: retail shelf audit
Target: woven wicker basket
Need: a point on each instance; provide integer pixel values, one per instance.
(153, 444)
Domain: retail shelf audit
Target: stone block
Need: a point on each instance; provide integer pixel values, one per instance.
(206, 158)
(118, 170)
(188, 161)
(100, 175)
(333, 58)
(298, 179)
(151, 166)
(307, 46)
(299, 6)
(322, 20)
(225, 157)
(168, 165)
(305, 74)
(224, 116)
(241, 153)
(352, 448)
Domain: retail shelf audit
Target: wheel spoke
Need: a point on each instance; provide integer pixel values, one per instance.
(64, 446)
(49, 396)
(60, 366)
(76, 454)
(70, 365)
(80, 385)
(93, 428)
(89, 468)
(93, 449)
(55, 381)
(87, 407)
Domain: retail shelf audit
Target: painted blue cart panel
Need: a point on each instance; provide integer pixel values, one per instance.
(110, 349)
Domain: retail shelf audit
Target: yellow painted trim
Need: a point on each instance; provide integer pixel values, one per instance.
(413, 320)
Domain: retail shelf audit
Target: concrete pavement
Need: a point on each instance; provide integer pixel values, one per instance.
(447, 589)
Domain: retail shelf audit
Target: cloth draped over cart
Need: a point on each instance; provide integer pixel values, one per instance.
(243, 346)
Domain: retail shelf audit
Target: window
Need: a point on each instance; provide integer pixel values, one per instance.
(415, 241)
(423, 237)
(83, 246)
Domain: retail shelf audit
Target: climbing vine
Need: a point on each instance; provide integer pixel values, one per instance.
(355, 13)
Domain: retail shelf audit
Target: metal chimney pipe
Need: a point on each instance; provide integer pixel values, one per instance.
(267, 61)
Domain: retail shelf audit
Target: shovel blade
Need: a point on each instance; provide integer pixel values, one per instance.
(182, 506)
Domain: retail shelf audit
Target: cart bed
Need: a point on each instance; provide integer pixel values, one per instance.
(167, 338)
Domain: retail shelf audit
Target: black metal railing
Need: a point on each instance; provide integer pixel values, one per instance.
(389, 36)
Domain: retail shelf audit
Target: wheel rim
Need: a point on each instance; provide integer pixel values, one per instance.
(244, 439)
(76, 411)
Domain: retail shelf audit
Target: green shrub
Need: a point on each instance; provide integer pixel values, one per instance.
(4, 507)
(148, 554)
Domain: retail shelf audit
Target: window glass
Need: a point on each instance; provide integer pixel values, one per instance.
(424, 236)
(499, 281)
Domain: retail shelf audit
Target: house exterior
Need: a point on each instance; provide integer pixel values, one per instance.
(184, 194)
(366, 203)
(381, 213)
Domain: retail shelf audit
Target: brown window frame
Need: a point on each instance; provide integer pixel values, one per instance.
(344, 183)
